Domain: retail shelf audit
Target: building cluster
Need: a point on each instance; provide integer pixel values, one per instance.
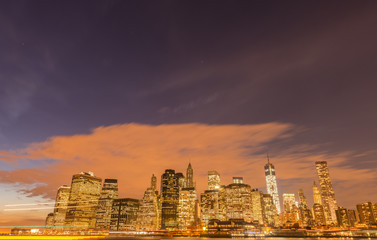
(89, 204)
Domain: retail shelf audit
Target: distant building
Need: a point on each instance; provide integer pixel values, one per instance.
(109, 192)
(148, 214)
(270, 211)
(61, 206)
(271, 184)
(306, 218)
(124, 214)
(291, 213)
(209, 206)
(214, 182)
(319, 214)
(83, 201)
(316, 194)
(258, 206)
(189, 177)
(366, 213)
(343, 217)
(327, 192)
(186, 208)
(235, 202)
(170, 185)
(49, 223)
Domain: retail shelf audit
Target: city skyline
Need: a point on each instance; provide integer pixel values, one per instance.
(126, 89)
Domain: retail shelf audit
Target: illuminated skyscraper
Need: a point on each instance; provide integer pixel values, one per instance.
(214, 182)
(271, 184)
(209, 206)
(343, 217)
(319, 214)
(304, 211)
(170, 185)
(258, 208)
(49, 222)
(316, 194)
(269, 210)
(147, 217)
(235, 201)
(366, 213)
(186, 208)
(189, 177)
(291, 213)
(108, 194)
(83, 201)
(124, 214)
(327, 192)
(60, 208)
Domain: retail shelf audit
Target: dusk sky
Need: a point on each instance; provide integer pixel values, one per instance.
(127, 89)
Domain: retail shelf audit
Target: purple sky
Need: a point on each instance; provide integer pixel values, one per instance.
(67, 67)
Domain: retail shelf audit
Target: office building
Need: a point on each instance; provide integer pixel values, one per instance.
(271, 183)
(327, 192)
(214, 182)
(170, 185)
(109, 192)
(83, 201)
(61, 206)
(124, 214)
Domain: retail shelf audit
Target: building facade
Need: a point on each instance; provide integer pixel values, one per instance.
(327, 192)
(109, 192)
(271, 183)
(124, 214)
(61, 206)
(83, 201)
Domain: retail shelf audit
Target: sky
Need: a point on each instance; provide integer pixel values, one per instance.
(127, 89)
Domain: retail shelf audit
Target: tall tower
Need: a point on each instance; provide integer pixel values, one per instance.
(272, 187)
(170, 199)
(302, 198)
(189, 177)
(154, 182)
(327, 191)
(108, 194)
(83, 201)
(214, 182)
(61, 205)
(316, 194)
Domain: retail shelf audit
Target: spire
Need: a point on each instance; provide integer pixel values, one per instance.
(268, 157)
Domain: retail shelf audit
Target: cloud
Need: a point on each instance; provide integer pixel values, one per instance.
(133, 152)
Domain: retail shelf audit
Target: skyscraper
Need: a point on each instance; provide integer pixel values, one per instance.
(327, 192)
(316, 194)
(124, 214)
(209, 206)
(108, 194)
(258, 206)
(366, 213)
(272, 187)
(235, 201)
(304, 211)
(170, 199)
(189, 177)
(214, 182)
(147, 217)
(291, 213)
(270, 211)
(83, 201)
(60, 208)
(186, 208)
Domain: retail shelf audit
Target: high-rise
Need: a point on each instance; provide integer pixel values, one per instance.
(147, 217)
(271, 184)
(60, 208)
(214, 182)
(189, 177)
(328, 196)
(170, 184)
(316, 194)
(108, 194)
(83, 201)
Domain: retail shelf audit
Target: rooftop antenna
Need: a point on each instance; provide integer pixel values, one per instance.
(268, 157)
